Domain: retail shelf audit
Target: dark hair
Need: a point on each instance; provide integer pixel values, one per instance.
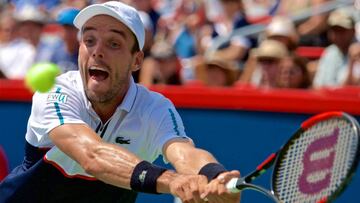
(135, 47)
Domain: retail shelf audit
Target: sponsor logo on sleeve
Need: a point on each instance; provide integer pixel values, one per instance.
(57, 97)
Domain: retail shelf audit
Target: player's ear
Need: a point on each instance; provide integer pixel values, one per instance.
(138, 60)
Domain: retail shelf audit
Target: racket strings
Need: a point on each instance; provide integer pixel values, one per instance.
(295, 183)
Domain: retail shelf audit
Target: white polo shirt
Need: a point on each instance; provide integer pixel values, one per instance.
(143, 123)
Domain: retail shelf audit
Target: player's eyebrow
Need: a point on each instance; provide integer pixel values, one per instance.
(87, 28)
(119, 32)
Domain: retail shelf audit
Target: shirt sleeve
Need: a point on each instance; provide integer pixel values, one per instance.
(169, 127)
(59, 106)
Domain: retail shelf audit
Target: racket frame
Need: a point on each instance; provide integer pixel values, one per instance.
(308, 124)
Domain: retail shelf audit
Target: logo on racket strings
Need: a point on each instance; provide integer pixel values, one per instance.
(318, 161)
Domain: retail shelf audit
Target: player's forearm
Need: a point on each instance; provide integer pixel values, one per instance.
(117, 167)
(107, 162)
(193, 161)
(111, 164)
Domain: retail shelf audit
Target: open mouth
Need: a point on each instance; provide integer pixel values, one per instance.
(98, 74)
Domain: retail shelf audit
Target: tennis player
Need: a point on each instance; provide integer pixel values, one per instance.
(93, 138)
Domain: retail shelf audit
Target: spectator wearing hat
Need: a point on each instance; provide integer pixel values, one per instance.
(32, 21)
(263, 65)
(13, 48)
(335, 57)
(293, 73)
(65, 52)
(282, 29)
(217, 72)
(162, 67)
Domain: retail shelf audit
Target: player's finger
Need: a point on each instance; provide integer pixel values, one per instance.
(192, 192)
(181, 194)
(195, 191)
(227, 176)
(210, 189)
(177, 190)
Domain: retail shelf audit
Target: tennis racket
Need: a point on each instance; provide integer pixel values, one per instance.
(315, 164)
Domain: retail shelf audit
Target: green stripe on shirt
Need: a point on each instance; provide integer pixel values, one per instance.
(58, 111)
(174, 122)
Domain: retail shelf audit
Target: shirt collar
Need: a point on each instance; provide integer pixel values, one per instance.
(130, 96)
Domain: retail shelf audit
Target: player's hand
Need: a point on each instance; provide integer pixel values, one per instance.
(189, 188)
(216, 192)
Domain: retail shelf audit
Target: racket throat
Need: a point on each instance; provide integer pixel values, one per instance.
(237, 185)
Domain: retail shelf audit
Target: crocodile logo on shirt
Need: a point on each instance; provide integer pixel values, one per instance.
(122, 140)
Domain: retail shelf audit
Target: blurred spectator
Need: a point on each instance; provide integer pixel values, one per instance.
(187, 36)
(351, 75)
(162, 67)
(16, 54)
(262, 68)
(282, 29)
(293, 73)
(149, 32)
(312, 31)
(213, 10)
(65, 52)
(185, 42)
(44, 4)
(79, 4)
(217, 72)
(258, 10)
(334, 58)
(31, 23)
(146, 6)
(356, 11)
(149, 39)
(234, 18)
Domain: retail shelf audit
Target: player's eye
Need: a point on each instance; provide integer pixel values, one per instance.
(89, 41)
(114, 45)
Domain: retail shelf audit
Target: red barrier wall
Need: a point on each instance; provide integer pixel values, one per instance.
(240, 97)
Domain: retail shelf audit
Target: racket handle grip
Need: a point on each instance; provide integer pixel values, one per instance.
(231, 185)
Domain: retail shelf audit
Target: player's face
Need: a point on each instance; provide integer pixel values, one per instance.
(106, 60)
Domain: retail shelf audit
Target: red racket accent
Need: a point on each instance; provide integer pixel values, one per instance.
(308, 123)
(266, 162)
(323, 200)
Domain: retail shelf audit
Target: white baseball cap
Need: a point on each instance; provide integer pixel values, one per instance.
(124, 13)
